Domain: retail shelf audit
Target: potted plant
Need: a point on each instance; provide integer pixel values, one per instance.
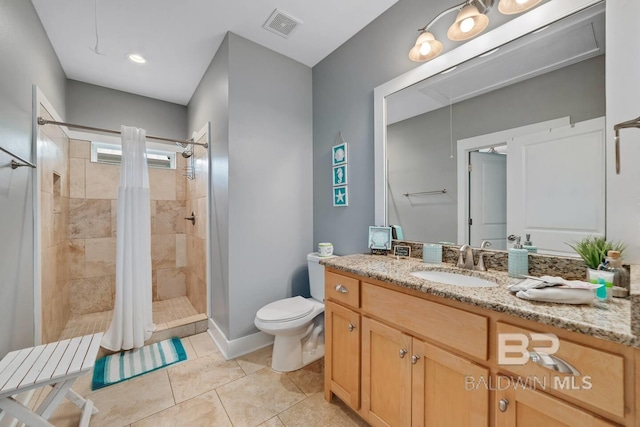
(593, 251)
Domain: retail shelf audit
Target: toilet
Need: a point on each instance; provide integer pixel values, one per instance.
(297, 323)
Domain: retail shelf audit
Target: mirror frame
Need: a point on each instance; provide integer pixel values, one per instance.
(524, 24)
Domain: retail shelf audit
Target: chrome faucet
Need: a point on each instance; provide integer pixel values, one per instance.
(465, 257)
(481, 266)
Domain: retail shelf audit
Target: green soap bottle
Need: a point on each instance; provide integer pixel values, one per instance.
(518, 260)
(529, 246)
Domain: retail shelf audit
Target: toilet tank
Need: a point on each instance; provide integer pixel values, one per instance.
(316, 276)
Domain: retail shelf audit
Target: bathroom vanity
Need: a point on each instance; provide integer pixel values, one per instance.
(405, 351)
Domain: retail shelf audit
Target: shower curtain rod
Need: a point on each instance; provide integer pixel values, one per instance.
(42, 121)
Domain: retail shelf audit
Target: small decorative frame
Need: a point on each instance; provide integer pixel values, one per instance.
(402, 251)
(340, 175)
(340, 196)
(339, 154)
(379, 238)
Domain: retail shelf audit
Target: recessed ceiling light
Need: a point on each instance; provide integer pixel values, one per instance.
(449, 70)
(138, 59)
(490, 52)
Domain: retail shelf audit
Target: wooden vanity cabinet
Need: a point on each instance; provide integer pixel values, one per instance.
(386, 375)
(400, 359)
(342, 338)
(342, 354)
(409, 382)
(521, 407)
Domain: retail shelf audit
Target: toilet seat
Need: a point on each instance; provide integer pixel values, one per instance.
(285, 310)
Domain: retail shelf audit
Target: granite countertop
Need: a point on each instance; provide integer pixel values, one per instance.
(609, 320)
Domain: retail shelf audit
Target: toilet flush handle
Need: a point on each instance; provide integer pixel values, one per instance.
(340, 288)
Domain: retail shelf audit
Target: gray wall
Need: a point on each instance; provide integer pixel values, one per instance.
(269, 140)
(27, 59)
(102, 107)
(210, 102)
(343, 86)
(419, 148)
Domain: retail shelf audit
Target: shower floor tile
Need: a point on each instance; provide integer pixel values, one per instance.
(164, 312)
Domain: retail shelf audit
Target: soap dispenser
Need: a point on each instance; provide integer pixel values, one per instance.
(529, 246)
(518, 259)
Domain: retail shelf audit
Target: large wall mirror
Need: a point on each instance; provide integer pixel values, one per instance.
(504, 135)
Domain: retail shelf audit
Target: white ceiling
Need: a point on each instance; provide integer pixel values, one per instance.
(179, 38)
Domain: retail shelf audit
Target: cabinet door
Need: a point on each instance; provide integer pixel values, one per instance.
(522, 407)
(342, 348)
(443, 391)
(386, 375)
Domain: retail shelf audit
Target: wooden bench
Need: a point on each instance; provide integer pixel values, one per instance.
(57, 364)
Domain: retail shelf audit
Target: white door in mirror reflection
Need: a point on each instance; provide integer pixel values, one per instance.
(556, 185)
(488, 199)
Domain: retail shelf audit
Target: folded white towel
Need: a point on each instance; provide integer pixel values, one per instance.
(560, 295)
(551, 281)
(555, 289)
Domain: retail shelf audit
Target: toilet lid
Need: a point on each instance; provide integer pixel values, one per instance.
(285, 309)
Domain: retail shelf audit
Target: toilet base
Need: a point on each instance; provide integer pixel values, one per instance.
(291, 358)
(293, 352)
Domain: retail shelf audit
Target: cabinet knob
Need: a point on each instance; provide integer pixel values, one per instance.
(414, 359)
(402, 353)
(503, 405)
(351, 327)
(340, 288)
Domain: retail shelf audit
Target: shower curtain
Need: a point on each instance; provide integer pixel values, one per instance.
(132, 322)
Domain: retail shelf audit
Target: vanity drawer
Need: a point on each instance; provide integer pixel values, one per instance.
(461, 330)
(342, 289)
(600, 379)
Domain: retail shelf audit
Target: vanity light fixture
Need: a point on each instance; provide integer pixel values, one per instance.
(471, 20)
(426, 47)
(138, 59)
(511, 7)
(468, 24)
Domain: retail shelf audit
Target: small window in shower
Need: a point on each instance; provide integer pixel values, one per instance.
(102, 152)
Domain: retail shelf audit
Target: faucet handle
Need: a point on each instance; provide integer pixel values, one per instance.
(480, 266)
(485, 244)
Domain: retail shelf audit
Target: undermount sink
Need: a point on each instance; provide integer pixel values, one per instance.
(454, 279)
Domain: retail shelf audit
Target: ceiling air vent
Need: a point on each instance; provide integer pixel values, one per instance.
(281, 23)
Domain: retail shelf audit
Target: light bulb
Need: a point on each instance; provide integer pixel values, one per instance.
(467, 25)
(425, 48)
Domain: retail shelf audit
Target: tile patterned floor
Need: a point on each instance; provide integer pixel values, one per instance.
(163, 312)
(206, 390)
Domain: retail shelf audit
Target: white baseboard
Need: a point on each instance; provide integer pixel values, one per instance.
(231, 349)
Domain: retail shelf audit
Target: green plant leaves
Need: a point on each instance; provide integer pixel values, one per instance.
(593, 250)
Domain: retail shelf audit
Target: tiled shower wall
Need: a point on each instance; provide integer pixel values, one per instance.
(53, 172)
(92, 230)
(196, 234)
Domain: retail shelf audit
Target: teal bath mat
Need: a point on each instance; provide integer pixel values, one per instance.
(122, 366)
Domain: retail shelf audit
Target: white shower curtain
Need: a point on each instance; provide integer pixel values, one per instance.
(132, 322)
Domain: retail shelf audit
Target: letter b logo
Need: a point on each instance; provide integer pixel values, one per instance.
(512, 348)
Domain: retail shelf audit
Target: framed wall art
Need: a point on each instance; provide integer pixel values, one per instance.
(339, 154)
(340, 175)
(340, 196)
